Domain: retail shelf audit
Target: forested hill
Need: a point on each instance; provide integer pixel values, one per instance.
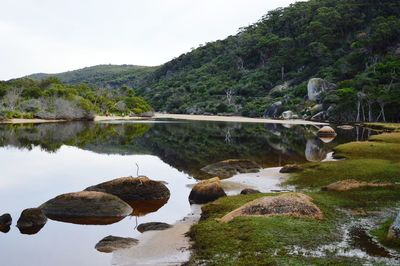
(102, 75)
(353, 46)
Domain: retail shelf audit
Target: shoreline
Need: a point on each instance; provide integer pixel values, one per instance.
(212, 118)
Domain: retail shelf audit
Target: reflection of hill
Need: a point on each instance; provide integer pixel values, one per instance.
(185, 146)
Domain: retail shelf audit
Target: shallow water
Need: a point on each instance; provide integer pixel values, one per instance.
(39, 162)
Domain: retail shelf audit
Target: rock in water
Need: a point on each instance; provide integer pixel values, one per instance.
(326, 131)
(228, 168)
(313, 152)
(86, 207)
(152, 226)
(112, 243)
(5, 222)
(293, 204)
(248, 191)
(291, 168)
(316, 86)
(394, 230)
(206, 191)
(31, 221)
(133, 188)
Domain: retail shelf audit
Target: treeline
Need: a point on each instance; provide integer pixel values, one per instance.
(51, 99)
(353, 43)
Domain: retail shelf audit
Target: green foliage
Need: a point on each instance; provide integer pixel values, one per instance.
(51, 99)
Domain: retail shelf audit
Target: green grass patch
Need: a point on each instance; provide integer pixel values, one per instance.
(317, 175)
(369, 149)
(381, 233)
(263, 240)
(386, 137)
(384, 126)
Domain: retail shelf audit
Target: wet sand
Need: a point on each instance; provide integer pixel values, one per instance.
(171, 246)
(30, 121)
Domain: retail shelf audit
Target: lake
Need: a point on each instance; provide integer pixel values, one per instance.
(39, 162)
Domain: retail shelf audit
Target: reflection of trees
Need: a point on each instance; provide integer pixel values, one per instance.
(185, 146)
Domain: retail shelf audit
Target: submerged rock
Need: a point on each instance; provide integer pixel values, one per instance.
(112, 243)
(5, 222)
(206, 191)
(248, 191)
(86, 207)
(143, 207)
(153, 226)
(394, 230)
(291, 168)
(229, 168)
(349, 184)
(133, 188)
(31, 221)
(293, 204)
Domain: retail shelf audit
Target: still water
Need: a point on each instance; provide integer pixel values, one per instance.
(39, 162)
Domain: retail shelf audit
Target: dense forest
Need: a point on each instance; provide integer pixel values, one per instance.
(352, 47)
(52, 99)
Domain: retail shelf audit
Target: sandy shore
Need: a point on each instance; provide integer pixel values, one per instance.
(29, 121)
(156, 248)
(240, 119)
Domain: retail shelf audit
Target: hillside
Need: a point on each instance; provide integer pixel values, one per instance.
(102, 75)
(352, 46)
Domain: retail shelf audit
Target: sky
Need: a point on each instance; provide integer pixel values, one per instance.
(54, 36)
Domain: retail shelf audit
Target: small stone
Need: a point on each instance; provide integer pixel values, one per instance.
(112, 243)
(248, 191)
(153, 226)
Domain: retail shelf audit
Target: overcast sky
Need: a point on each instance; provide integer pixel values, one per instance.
(58, 35)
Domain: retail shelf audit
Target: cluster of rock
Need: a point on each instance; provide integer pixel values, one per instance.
(316, 87)
(105, 203)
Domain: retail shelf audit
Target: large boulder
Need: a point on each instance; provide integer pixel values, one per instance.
(153, 226)
(86, 207)
(112, 243)
(274, 110)
(31, 221)
(394, 230)
(206, 191)
(316, 86)
(133, 189)
(5, 222)
(229, 168)
(289, 204)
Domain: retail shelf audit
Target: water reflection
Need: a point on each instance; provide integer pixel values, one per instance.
(185, 146)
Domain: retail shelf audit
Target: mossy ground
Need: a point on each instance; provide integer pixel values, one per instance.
(271, 241)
